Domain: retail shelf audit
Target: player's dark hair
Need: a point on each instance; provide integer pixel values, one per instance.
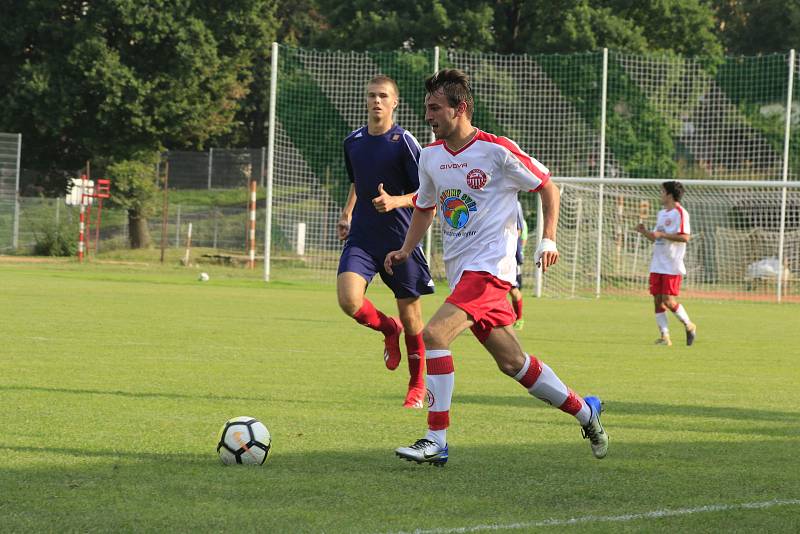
(455, 86)
(675, 189)
(382, 78)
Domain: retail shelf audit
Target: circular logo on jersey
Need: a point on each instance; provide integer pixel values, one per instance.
(429, 397)
(455, 212)
(476, 179)
(667, 222)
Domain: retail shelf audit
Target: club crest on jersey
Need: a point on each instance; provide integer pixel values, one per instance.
(476, 179)
(456, 207)
(395, 138)
(667, 222)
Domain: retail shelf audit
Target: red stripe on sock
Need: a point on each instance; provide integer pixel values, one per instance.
(532, 374)
(438, 420)
(440, 366)
(573, 404)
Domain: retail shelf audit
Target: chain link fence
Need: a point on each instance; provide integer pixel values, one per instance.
(219, 168)
(665, 118)
(10, 147)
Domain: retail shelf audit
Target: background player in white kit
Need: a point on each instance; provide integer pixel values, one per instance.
(473, 178)
(670, 235)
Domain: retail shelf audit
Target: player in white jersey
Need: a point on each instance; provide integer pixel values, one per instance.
(473, 178)
(670, 235)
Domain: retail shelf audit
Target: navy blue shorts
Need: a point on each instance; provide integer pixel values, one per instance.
(411, 279)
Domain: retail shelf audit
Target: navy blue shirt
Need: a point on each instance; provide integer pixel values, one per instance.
(391, 159)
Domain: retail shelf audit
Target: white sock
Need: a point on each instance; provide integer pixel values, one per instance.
(663, 325)
(437, 436)
(680, 313)
(440, 382)
(541, 382)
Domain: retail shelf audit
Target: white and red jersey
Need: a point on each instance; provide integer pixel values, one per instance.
(475, 191)
(668, 255)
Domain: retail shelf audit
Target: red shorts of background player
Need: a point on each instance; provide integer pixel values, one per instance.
(483, 297)
(665, 284)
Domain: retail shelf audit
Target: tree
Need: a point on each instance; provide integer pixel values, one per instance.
(758, 26)
(135, 189)
(369, 25)
(84, 80)
(682, 26)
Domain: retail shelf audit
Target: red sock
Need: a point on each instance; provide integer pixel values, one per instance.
(517, 305)
(416, 366)
(373, 318)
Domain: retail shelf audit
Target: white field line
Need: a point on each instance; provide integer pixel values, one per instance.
(656, 514)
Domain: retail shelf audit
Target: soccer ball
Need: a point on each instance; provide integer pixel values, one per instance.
(203, 277)
(243, 440)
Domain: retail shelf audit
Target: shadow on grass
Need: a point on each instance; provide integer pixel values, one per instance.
(648, 408)
(161, 395)
(363, 489)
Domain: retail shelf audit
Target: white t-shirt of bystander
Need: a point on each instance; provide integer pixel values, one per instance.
(668, 255)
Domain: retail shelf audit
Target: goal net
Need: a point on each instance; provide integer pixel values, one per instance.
(665, 118)
(320, 100)
(734, 250)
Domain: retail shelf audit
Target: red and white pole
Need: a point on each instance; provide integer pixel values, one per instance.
(82, 224)
(252, 262)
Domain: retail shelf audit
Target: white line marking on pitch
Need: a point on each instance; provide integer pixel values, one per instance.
(656, 514)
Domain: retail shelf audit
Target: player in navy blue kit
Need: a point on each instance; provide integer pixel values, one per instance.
(381, 160)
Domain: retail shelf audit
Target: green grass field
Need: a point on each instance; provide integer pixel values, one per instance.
(114, 380)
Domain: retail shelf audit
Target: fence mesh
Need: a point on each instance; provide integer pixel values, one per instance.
(733, 251)
(667, 118)
(216, 169)
(320, 100)
(9, 166)
(220, 228)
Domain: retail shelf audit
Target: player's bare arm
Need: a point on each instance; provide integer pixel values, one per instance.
(652, 236)
(420, 221)
(546, 253)
(645, 232)
(343, 226)
(384, 202)
(678, 238)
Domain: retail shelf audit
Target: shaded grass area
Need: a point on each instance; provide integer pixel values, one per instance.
(114, 380)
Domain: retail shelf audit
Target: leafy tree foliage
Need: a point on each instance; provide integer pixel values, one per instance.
(681, 26)
(83, 80)
(758, 26)
(135, 188)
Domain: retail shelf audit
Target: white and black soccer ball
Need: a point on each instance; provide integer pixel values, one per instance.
(203, 277)
(244, 440)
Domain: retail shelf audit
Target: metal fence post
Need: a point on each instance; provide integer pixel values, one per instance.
(787, 132)
(15, 238)
(178, 228)
(210, 165)
(263, 164)
(273, 90)
(603, 97)
(429, 232)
